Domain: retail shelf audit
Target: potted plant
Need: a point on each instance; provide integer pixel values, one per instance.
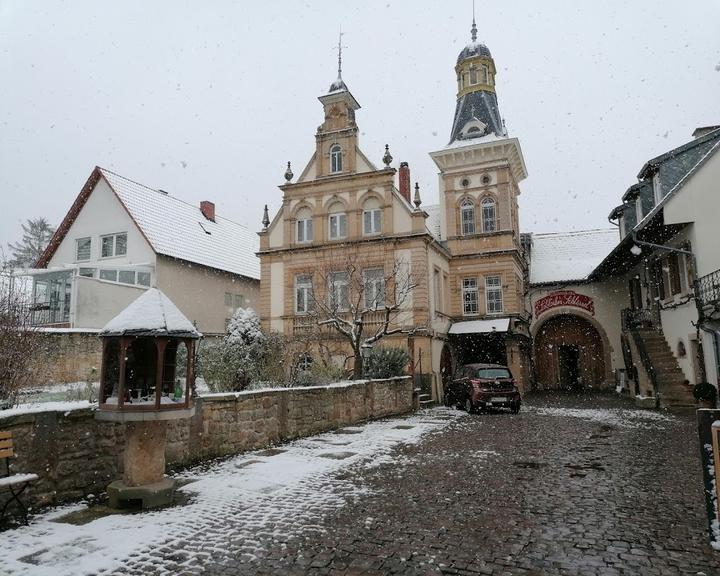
(705, 394)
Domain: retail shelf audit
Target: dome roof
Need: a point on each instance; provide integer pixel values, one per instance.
(474, 50)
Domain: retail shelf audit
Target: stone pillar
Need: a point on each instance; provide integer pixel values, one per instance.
(144, 460)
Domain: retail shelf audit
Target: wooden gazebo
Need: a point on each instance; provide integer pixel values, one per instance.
(146, 379)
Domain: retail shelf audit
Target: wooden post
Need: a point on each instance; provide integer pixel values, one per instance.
(189, 370)
(160, 344)
(121, 376)
(103, 363)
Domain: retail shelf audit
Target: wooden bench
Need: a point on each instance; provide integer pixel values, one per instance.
(16, 483)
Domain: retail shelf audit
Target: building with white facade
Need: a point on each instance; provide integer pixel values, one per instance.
(120, 238)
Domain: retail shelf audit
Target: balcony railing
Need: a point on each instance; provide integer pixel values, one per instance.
(707, 289)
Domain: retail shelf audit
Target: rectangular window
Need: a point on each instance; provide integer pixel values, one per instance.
(304, 302)
(470, 296)
(83, 249)
(493, 294)
(339, 292)
(374, 286)
(143, 278)
(126, 276)
(338, 226)
(238, 301)
(108, 275)
(372, 221)
(87, 272)
(438, 290)
(228, 299)
(468, 220)
(304, 231)
(113, 245)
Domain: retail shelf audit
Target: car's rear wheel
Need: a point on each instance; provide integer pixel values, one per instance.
(469, 408)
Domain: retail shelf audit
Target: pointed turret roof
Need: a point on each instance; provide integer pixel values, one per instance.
(151, 314)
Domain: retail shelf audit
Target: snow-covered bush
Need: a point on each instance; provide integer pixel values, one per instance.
(318, 374)
(385, 363)
(244, 356)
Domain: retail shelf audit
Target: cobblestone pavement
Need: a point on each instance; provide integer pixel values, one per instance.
(559, 489)
(571, 485)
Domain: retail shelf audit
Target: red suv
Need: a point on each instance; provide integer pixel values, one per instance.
(481, 386)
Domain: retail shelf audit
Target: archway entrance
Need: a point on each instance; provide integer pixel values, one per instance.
(569, 354)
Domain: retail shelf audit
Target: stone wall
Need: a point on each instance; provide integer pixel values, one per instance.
(68, 356)
(75, 455)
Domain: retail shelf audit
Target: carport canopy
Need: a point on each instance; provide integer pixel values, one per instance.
(480, 326)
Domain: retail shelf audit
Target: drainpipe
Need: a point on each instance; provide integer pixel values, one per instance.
(701, 317)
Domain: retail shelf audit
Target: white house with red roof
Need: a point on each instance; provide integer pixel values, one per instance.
(120, 238)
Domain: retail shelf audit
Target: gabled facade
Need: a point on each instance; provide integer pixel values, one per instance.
(120, 238)
(669, 266)
(465, 253)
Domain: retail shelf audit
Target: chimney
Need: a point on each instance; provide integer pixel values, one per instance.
(405, 181)
(208, 209)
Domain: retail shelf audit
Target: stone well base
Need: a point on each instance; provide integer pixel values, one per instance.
(151, 495)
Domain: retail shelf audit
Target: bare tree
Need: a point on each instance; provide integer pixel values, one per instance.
(361, 303)
(19, 344)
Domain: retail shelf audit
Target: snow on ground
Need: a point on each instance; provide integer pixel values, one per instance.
(46, 407)
(622, 418)
(235, 506)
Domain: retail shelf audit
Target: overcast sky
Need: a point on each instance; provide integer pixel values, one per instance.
(209, 100)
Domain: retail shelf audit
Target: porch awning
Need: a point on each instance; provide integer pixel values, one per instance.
(480, 326)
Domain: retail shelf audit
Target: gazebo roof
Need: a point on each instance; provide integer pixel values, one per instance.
(152, 314)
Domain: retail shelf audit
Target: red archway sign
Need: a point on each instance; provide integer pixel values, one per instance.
(562, 299)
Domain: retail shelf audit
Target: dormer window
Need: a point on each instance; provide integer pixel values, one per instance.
(467, 217)
(336, 159)
(484, 74)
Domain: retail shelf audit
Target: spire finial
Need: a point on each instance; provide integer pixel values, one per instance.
(339, 48)
(387, 158)
(473, 30)
(266, 218)
(288, 173)
(416, 199)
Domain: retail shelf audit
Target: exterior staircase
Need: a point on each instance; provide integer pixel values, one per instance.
(426, 401)
(669, 377)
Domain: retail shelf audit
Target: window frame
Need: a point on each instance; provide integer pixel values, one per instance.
(336, 159)
(341, 224)
(375, 221)
(467, 206)
(306, 225)
(89, 249)
(339, 302)
(114, 236)
(494, 289)
(375, 285)
(304, 282)
(474, 292)
(485, 204)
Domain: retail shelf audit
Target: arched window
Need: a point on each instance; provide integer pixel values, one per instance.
(304, 225)
(336, 158)
(337, 221)
(372, 217)
(489, 220)
(467, 217)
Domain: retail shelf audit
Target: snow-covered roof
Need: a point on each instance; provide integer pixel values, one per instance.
(569, 256)
(151, 314)
(433, 220)
(178, 229)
